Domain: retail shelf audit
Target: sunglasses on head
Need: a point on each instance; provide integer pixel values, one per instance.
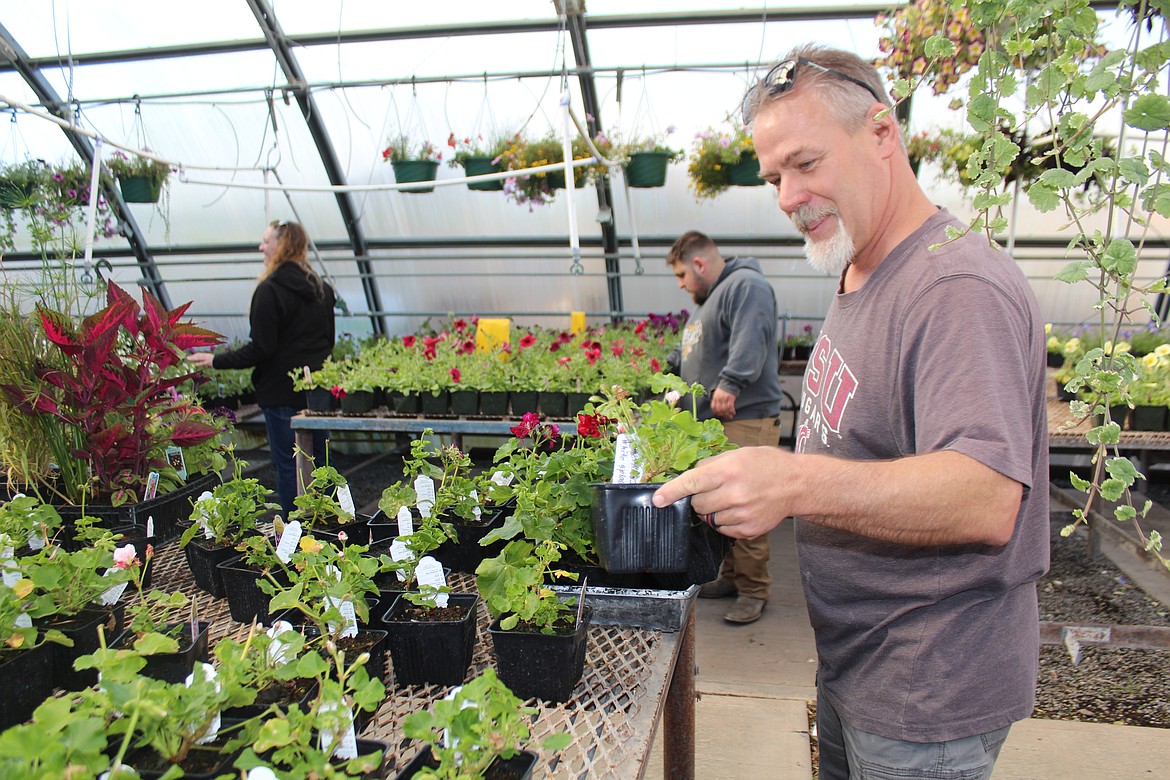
(782, 77)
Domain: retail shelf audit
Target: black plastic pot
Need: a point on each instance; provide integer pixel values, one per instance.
(382, 528)
(320, 400)
(1055, 359)
(523, 402)
(405, 403)
(493, 403)
(297, 692)
(577, 401)
(26, 680)
(82, 628)
(167, 511)
(357, 402)
(542, 666)
(203, 762)
(241, 583)
(434, 403)
(553, 404)
(518, 767)
(427, 651)
(464, 553)
(594, 576)
(356, 531)
(634, 535)
(173, 667)
(1149, 418)
(464, 402)
(368, 640)
(203, 556)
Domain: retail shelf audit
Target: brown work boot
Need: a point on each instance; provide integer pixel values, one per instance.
(718, 589)
(745, 610)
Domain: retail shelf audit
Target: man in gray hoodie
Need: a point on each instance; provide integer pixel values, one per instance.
(729, 347)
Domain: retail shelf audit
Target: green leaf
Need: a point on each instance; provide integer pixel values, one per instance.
(1134, 170)
(1149, 112)
(937, 47)
(1080, 484)
(151, 643)
(1124, 513)
(1123, 469)
(1112, 489)
(1058, 178)
(1043, 197)
(981, 113)
(1120, 257)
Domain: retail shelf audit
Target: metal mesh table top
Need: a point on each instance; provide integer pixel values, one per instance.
(611, 717)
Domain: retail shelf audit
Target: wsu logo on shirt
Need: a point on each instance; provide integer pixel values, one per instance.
(828, 387)
(692, 335)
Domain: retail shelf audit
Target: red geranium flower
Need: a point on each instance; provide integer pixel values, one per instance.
(408, 341)
(527, 341)
(655, 366)
(588, 426)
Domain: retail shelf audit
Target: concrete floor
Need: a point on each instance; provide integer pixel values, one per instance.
(754, 683)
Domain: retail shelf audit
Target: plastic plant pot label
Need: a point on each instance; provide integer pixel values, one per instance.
(278, 650)
(345, 498)
(405, 521)
(151, 486)
(261, 773)
(502, 479)
(626, 468)
(209, 673)
(36, 538)
(347, 746)
(424, 488)
(475, 510)
(430, 572)
(289, 540)
(205, 501)
(150, 528)
(112, 595)
(174, 457)
(348, 616)
(22, 621)
(400, 552)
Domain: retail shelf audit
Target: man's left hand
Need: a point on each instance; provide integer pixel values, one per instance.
(723, 404)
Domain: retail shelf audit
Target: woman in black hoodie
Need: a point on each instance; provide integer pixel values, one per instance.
(291, 319)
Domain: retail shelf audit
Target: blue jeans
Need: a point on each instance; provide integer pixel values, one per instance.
(848, 753)
(281, 448)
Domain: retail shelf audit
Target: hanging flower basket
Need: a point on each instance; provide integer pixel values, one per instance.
(647, 169)
(140, 189)
(415, 170)
(746, 172)
(478, 166)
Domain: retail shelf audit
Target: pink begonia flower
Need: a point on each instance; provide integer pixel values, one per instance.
(124, 557)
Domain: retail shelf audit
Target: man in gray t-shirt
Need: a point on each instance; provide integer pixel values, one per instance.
(919, 477)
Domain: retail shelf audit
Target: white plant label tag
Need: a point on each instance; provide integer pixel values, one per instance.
(278, 650)
(345, 498)
(261, 773)
(22, 621)
(151, 489)
(150, 527)
(475, 510)
(430, 572)
(289, 541)
(502, 479)
(400, 552)
(405, 521)
(347, 746)
(424, 489)
(348, 616)
(625, 461)
(111, 596)
(36, 538)
(11, 571)
(209, 673)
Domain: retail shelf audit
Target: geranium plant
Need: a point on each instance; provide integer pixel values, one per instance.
(467, 731)
(513, 586)
(229, 512)
(466, 147)
(401, 147)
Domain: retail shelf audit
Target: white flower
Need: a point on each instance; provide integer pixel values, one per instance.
(124, 557)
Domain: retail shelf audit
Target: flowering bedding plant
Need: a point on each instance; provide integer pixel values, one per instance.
(712, 152)
(401, 147)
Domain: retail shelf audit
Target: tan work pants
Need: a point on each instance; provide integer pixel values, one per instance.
(747, 563)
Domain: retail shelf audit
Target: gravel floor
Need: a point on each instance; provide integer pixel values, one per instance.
(1108, 686)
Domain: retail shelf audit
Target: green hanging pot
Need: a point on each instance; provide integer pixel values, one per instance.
(746, 172)
(647, 169)
(415, 170)
(478, 166)
(140, 189)
(556, 179)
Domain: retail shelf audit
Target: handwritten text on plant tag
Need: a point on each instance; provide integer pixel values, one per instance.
(289, 541)
(405, 521)
(430, 572)
(625, 461)
(347, 746)
(112, 595)
(424, 489)
(400, 552)
(345, 499)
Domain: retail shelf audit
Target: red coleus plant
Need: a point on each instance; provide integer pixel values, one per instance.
(115, 392)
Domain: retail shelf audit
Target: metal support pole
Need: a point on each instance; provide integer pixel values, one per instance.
(678, 737)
